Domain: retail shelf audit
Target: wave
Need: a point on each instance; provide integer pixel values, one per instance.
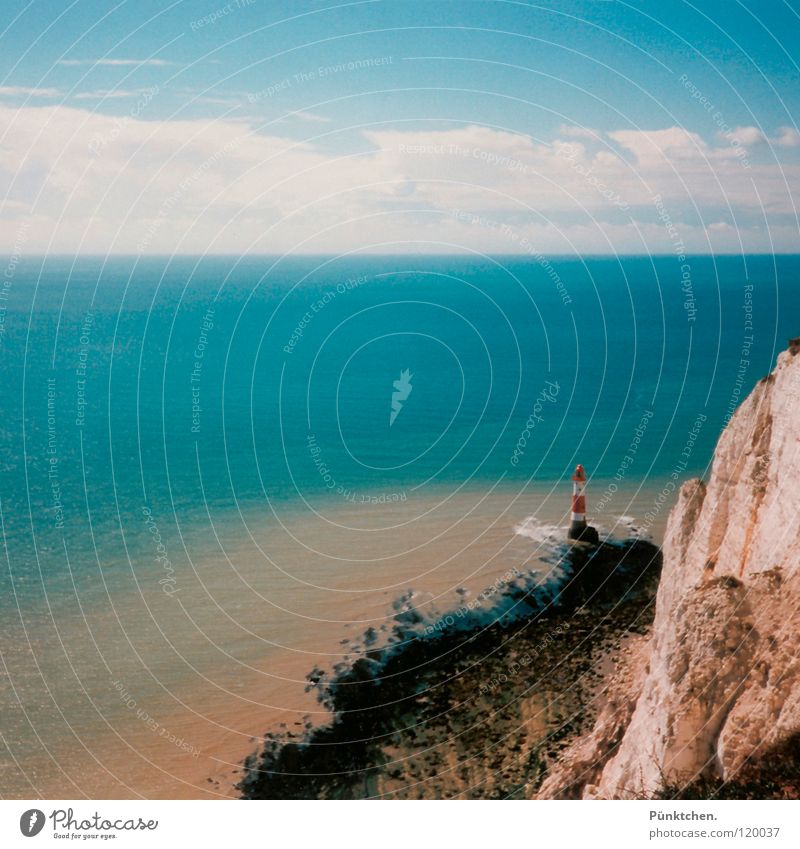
(545, 534)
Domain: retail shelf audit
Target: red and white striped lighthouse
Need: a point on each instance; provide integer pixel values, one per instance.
(578, 517)
(578, 529)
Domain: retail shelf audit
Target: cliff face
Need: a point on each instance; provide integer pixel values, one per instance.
(718, 683)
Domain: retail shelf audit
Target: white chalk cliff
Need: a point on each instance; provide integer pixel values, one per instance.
(717, 684)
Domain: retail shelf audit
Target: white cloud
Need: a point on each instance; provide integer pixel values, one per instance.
(131, 183)
(746, 136)
(787, 137)
(310, 116)
(109, 94)
(158, 63)
(750, 136)
(24, 91)
(216, 101)
(572, 131)
(658, 146)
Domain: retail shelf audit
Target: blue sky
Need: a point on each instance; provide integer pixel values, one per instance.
(394, 125)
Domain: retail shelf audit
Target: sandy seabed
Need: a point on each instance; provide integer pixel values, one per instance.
(142, 694)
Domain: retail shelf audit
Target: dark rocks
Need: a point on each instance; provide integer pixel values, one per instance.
(473, 711)
(581, 532)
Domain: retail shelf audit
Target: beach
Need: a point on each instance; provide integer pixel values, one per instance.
(164, 695)
(478, 704)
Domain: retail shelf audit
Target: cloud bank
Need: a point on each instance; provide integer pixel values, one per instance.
(88, 182)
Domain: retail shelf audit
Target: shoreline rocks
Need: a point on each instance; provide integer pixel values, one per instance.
(480, 710)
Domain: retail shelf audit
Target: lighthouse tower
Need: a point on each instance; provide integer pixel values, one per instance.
(578, 529)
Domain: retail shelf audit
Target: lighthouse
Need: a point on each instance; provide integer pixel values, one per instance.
(578, 529)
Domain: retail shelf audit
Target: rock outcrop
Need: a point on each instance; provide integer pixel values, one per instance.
(474, 705)
(718, 685)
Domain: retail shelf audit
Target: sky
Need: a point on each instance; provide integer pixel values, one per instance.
(398, 126)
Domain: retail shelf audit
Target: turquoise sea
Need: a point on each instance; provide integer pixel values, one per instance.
(212, 466)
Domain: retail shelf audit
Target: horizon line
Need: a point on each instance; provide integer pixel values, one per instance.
(464, 254)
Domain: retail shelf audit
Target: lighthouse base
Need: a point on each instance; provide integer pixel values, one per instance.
(581, 532)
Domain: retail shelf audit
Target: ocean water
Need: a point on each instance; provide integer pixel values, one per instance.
(212, 467)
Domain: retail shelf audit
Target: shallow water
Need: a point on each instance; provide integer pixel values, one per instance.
(152, 694)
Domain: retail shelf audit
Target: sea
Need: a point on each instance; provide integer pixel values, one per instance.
(217, 472)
